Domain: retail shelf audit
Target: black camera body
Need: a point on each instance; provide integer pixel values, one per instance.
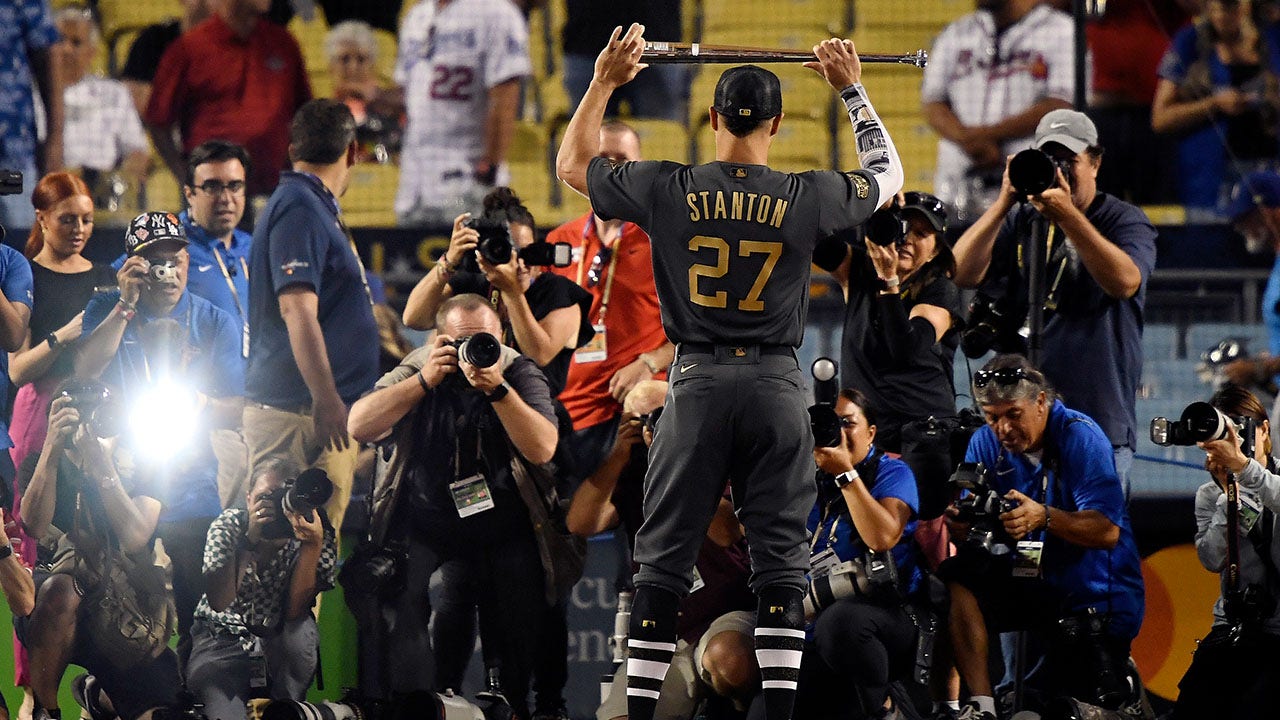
(886, 227)
(995, 323)
(301, 495)
(482, 349)
(1033, 171)
(981, 508)
(1249, 605)
(97, 406)
(496, 247)
(650, 419)
(1202, 422)
(823, 420)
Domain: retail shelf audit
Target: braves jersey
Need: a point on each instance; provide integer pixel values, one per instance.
(449, 58)
(986, 77)
(732, 243)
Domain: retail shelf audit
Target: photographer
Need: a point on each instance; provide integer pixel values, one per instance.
(254, 630)
(1241, 651)
(101, 602)
(867, 503)
(544, 313)
(1095, 281)
(179, 355)
(448, 490)
(1048, 549)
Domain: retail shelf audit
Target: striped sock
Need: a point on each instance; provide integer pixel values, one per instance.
(650, 645)
(779, 646)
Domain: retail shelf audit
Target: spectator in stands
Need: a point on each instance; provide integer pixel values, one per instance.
(461, 63)
(1239, 651)
(247, 96)
(262, 585)
(1109, 253)
(103, 135)
(1127, 43)
(314, 346)
(381, 14)
(704, 665)
(26, 37)
(1076, 586)
(545, 316)
(149, 336)
(611, 260)
(1219, 90)
(901, 329)
(148, 47)
(992, 75)
(379, 114)
(450, 422)
(660, 91)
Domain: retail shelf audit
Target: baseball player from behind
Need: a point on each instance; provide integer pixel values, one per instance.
(732, 245)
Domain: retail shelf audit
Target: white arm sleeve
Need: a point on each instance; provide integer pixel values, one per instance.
(875, 148)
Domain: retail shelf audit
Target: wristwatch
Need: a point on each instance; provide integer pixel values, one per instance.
(845, 478)
(6, 551)
(498, 392)
(890, 285)
(52, 339)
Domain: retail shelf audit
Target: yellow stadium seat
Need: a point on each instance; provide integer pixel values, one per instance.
(662, 139)
(530, 164)
(135, 14)
(551, 101)
(917, 146)
(162, 191)
(311, 36)
(370, 197)
(321, 83)
(893, 89)
(801, 144)
(888, 13)
(830, 17)
(387, 48)
(895, 40)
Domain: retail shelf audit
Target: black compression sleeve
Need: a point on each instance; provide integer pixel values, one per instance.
(904, 336)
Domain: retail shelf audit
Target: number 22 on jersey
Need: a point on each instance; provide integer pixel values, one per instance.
(746, 248)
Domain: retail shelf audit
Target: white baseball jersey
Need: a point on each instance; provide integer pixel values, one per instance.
(449, 58)
(101, 124)
(985, 78)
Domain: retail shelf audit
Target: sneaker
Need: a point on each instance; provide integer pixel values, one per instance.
(88, 694)
(970, 711)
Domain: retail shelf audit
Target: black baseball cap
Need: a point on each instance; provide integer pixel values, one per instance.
(933, 209)
(151, 229)
(748, 91)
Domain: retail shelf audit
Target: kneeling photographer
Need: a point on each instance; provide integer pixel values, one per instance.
(1044, 546)
(1235, 672)
(863, 568)
(458, 415)
(101, 601)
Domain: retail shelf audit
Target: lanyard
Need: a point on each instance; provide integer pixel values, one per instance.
(364, 277)
(244, 319)
(615, 246)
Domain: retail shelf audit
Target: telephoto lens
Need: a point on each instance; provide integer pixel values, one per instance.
(310, 491)
(886, 227)
(482, 350)
(1032, 171)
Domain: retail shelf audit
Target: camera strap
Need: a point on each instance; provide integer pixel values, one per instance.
(614, 246)
(868, 470)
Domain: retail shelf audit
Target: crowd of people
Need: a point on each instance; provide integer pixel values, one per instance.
(219, 390)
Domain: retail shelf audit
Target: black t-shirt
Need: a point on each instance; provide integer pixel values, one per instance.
(1248, 137)
(899, 391)
(462, 436)
(732, 243)
(546, 293)
(589, 22)
(147, 49)
(58, 297)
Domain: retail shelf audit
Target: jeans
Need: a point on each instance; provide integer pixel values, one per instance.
(220, 670)
(659, 91)
(184, 542)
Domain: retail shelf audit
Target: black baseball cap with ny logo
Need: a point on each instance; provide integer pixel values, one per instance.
(748, 91)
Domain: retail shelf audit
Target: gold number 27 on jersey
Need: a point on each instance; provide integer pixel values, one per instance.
(720, 299)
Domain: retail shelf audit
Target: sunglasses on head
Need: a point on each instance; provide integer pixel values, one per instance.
(596, 271)
(1003, 376)
(924, 201)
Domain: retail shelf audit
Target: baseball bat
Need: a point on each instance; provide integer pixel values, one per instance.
(700, 53)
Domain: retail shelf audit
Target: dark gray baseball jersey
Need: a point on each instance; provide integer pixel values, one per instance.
(732, 243)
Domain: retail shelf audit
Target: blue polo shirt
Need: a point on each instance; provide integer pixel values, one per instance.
(299, 241)
(206, 277)
(1108, 580)
(1271, 310)
(15, 283)
(215, 368)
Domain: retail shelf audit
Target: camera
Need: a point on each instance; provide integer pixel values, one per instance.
(482, 349)
(1249, 605)
(97, 406)
(10, 182)
(1033, 171)
(496, 247)
(1202, 422)
(822, 414)
(302, 496)
(650, 419)
(995, 323)
(981, 508)
(886, 227)
(163, 272)
(413, 706)
(873, 577)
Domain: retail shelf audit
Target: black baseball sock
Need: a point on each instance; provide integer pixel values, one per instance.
(650, 645)
(779, 645)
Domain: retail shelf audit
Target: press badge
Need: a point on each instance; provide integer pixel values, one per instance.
(1250, 511)
(596, 350)
(1026, 562)
(698, 582)
(821, 564)
(471, 495)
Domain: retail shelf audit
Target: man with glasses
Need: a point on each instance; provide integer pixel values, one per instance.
(613, 262)
(1100, 251)
(1057, 557)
